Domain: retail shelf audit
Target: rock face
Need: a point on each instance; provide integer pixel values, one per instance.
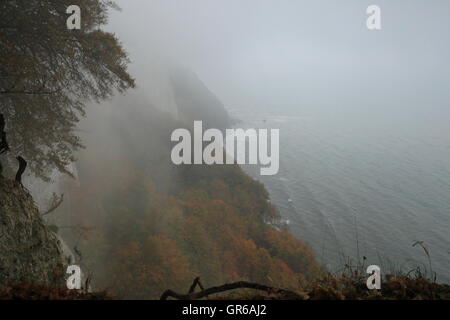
(196, 102)
(29, 252)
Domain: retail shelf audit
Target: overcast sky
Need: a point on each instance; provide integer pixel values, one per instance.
(294, 54)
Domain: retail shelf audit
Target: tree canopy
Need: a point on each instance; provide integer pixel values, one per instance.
(48, 73)
(151, 225)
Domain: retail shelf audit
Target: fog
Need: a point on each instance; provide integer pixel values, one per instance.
(297, 56)
(293, 66)
(269, 59)
(347, 129)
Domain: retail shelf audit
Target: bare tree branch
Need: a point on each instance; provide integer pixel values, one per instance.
(21, 170)
(56, 202)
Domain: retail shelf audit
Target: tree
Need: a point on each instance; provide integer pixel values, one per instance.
(48, 73)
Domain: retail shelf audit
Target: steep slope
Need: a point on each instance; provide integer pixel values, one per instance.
(154, 225)
(29, 252)
(196, 102)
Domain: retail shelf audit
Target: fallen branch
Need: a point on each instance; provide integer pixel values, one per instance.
(195, 284)
(226, 287)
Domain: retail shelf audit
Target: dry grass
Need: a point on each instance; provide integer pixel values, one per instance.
(26, 291)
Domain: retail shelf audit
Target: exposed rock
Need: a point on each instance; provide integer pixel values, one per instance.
(29, 251)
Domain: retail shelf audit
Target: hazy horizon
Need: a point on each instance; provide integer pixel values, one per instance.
(297, 55)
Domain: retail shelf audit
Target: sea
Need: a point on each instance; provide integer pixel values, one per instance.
(363, 188)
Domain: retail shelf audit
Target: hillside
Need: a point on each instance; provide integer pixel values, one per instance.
(157, 226)
(30, 252)
(144, 225)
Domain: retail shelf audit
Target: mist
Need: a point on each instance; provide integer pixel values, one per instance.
(297, 56)
(279, 146)
(378, 99)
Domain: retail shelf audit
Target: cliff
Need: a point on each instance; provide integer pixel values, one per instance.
(29, 252)
(196, 102)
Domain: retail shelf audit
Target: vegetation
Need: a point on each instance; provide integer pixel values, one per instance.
(331, 287)
(211, 221)
(26, 291)
(147, 225)
(221, 231)
(401, 287)
(47, 73)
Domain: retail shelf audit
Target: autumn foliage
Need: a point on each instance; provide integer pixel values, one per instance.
(220, 229)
